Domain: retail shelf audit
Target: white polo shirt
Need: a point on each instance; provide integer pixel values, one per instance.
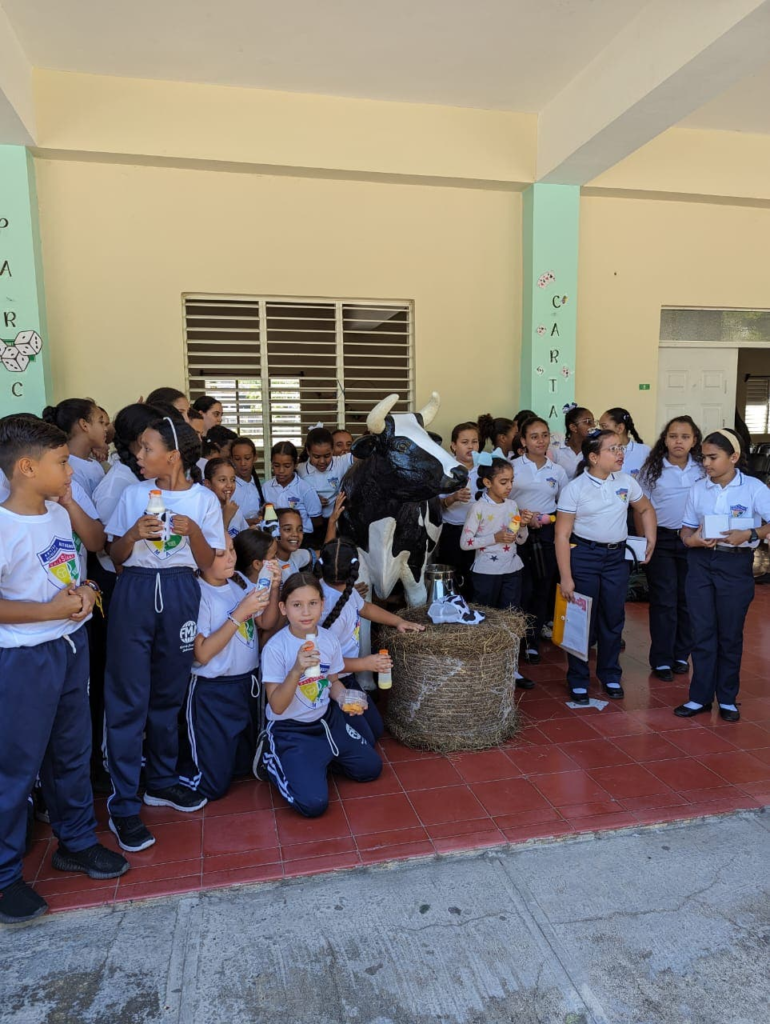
(240, 654)
(537, 489)
(457, 512)
(635, 457)
(247, 498)
(600, 507)
(670, 491)
(88, 473)
(744, 496)
(327, 483)
(569, 461)
(297, 494)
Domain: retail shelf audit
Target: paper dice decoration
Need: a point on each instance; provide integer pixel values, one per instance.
(15, 357)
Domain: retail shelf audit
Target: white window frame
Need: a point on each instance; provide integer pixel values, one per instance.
(340, 303)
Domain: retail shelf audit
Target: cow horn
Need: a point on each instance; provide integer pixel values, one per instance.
(375, 421)
(429, 412)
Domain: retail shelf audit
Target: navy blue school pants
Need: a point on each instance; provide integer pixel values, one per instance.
(503, 591)
(45, 729)
(541, 573)
(150, 634)
(219, 714)
(450, 553)
(670, 630)
(602, 574)
(372, 713)
(299, 755)
(720, 588)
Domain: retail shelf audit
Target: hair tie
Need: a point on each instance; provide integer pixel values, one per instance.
(486, 458)
(173, 431)
(569, 407)
(594, 432)
(731, 438)
(317, 426)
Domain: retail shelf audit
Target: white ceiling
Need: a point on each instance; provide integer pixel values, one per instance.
(497, 54)
(744, 108)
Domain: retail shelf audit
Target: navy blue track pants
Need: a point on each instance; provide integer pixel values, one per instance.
(45, 729)
(151, 632)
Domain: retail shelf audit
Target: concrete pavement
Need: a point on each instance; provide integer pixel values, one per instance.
(668, 925)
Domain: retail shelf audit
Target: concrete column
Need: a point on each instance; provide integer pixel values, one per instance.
(24, 374)
(549, 315)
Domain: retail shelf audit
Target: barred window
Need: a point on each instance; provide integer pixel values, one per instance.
(281, 365)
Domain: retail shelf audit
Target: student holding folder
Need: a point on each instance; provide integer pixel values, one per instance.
(591, 534)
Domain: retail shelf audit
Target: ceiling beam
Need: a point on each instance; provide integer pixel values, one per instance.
(670, 60)
(17, 107)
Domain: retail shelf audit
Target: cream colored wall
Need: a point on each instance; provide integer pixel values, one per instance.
(639, 255)
(122, 243)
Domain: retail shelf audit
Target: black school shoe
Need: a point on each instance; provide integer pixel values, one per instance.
(525, 684)
(681, 668)
(665, 674)
(684, 712)
(578, 698)
(180, 797)
(95, 861)
(20, 903)
(727, 715)
(614, 692)
(131, 832)
(531, 656)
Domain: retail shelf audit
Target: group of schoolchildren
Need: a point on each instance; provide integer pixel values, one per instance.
(158, 620)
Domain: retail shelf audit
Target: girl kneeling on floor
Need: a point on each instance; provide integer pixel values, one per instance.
(343, 609)
(307, 730)
(224, 681)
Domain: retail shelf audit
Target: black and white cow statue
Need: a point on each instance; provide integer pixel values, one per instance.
(392, 508)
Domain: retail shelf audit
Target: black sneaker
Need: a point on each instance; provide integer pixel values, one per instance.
(95, 861)
(20, 903)
(258, 769)
(132, 834)
(179, 797)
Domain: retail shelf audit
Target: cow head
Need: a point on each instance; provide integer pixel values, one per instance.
(408, 460)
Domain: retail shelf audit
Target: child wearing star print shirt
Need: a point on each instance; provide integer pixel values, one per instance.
(497, 567)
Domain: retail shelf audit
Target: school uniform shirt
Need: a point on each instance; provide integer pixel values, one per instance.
(635, 457)
(326, 484)
(173, 551)
(106, 497)
(744, 496)
(537, 489)
(5, 490)
(669, 493)
(247, 498)
(456, 513)
(312, 694)
(484, 519)
(241, 654)
(88, 473)
(563, 456)
(297, 561)
(237, 524)
(38, 558)
(297, 494)
(347, 626)
(89, 508)
(600, 507)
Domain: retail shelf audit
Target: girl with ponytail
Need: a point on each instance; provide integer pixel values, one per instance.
(85, 425)
(152, 623)
(636, 451)
(338, 568)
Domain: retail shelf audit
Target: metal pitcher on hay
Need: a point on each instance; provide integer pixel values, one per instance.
(440, 582)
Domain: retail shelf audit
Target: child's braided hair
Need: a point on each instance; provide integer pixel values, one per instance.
(338, 563)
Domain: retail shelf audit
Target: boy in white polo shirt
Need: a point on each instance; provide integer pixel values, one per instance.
(45, 723)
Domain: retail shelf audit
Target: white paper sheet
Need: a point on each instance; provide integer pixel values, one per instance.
(577, 626)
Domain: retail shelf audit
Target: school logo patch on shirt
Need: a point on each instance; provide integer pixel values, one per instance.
(246, 631)
(736, 511)
(311, 688)
(60, 563)
(166, 547)
(622, 493)
(552, 481)
(634, 473)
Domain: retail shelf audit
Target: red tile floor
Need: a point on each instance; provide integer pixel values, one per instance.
(567, 771)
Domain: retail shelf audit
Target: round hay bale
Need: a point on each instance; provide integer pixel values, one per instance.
(454, 686)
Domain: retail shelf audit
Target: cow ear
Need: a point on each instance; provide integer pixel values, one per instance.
(364, 446)
(434, 437)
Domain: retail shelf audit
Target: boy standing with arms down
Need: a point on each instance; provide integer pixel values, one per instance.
(45, 726)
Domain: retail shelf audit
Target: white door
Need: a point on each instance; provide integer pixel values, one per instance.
(700, 382)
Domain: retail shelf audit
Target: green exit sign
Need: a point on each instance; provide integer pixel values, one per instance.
(644, 387)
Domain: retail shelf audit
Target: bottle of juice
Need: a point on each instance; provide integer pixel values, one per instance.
(270, 521)
(384, 679)
(514, 524)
